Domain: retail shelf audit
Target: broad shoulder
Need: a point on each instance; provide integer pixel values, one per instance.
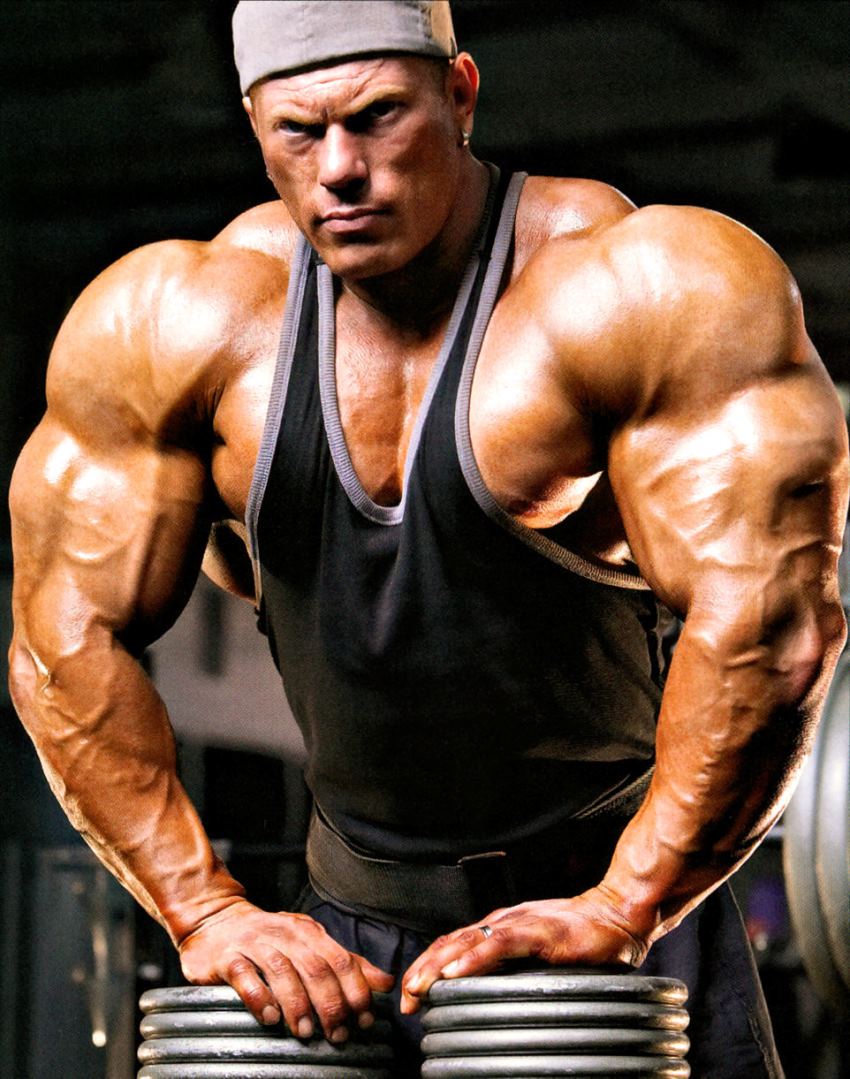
(552, 207)
(159, 333)
(267, 228)
(666, 300)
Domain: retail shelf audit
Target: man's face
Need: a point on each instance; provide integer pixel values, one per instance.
(365, 156)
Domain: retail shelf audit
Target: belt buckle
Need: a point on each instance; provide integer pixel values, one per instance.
(490, 881)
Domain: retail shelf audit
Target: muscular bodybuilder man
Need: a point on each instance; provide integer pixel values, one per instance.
(504, 415)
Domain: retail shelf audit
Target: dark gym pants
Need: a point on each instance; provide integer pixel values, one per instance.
(729, 1028)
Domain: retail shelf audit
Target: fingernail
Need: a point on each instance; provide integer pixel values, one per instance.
(305, 1027)
(339, 1035)
(270, 1015)
(365, 1020)
(414, 985)
(450, 968)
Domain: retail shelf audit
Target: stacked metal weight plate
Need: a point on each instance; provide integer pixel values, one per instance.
(205, 1032)
(816, 851)
(556, 1023)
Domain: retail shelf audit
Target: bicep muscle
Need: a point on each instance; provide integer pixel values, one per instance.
(738, 513)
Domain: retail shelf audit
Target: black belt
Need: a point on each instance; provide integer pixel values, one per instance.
(433, 898)
(429, 898)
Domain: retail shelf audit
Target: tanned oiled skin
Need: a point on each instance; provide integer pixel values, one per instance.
(646, 375)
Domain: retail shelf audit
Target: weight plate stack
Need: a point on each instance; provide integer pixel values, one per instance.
(816, 851)
(536, 1024)
(205, 1032)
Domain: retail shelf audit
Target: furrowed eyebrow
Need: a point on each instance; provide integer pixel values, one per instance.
(384, 93)
(298, 115)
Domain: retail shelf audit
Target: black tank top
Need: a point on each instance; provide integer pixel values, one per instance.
(461, 681)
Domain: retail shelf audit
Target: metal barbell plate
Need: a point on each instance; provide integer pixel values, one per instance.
(203, 1023)
(557, 984)
(189, 998)
(581, 1013)
(230, 1048)
(541, 1067)
(798, 858)
(602, 1040)
(832, 861)
(258, 1071)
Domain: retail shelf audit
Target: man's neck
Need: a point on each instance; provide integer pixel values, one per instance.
(419, 295)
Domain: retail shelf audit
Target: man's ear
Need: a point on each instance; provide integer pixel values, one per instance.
(464, 81)
(249, 108)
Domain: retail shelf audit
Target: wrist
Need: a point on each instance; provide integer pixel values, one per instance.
(637, 913)
(654, 886)
(184, 916)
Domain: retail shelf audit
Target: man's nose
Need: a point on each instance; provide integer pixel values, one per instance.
(341, 160)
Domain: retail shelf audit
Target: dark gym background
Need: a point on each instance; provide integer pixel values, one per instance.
(121, 124)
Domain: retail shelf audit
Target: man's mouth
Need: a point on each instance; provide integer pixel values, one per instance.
(348, 219)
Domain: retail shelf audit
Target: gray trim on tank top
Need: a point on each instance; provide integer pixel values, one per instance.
(327, 387)
(474, 480)
(348, 478)
(277, 400)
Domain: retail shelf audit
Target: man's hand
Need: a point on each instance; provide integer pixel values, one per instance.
(284, 963)
(587, 930)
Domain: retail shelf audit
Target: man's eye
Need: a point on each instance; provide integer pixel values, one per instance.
(294, 127)
(381, 108)
(363, 120)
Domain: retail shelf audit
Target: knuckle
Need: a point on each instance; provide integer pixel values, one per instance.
(255, 994)
(239, 967)
(359, 997)
(522, 910)
(332, 1013)
(295, 1003)
(341, 963)
(278, 965)
(315, 969)
(306, 927)
(302, 919)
